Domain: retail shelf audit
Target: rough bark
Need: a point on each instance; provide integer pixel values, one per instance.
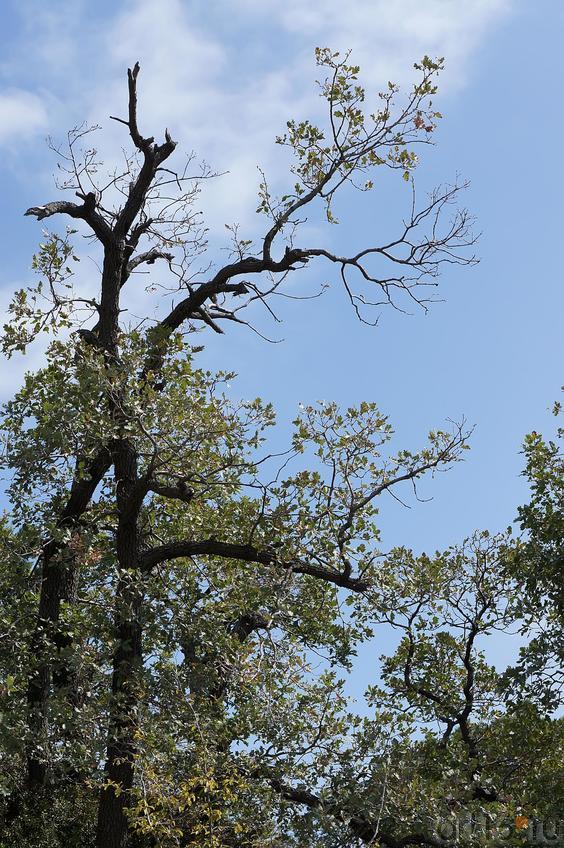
(59, 575)
(127, 662)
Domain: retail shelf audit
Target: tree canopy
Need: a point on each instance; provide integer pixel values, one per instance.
(181, 606)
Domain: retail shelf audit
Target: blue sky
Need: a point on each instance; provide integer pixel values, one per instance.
(224, 77)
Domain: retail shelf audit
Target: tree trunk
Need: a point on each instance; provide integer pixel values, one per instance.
(59, 576)
(115, 797)
(58, 584)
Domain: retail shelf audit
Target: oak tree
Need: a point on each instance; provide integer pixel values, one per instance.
(179, 605)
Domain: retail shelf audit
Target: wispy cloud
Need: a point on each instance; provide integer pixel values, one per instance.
(22, 114)
(224, 77)
(386, 36)
(226, 82)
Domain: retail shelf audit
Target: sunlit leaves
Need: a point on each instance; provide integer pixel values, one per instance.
(354, 140)
(50, 305)
(537, 565)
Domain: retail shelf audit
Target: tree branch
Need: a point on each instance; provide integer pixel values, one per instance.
(247, 553)
(221, 284)
(143, 144)
(87, 212)
(154, 155)
(359, 824)
(448, 454)
(148, 257)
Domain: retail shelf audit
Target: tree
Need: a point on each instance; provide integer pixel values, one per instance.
(537, 566)
(168, 582)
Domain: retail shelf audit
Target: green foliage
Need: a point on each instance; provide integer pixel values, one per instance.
(47, 307)
(537, 564)
(223, 719)
(355, 141)
(248, 581)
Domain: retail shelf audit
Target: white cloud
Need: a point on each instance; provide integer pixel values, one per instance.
(386, 22)
(226, 98)
(385, 36)
(225, 77)
(21, 114)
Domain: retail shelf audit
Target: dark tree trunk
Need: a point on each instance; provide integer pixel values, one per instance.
(115, 797)
(58, 585)
(59, 567)
(59, 576)
(128, 659)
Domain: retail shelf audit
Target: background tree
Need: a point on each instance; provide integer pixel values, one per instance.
(537, 565)
(169, 583)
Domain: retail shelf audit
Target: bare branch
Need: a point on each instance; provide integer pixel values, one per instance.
(247, 553)
(148, 257)
(139, 141)
(87, 212)
(154, 155)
